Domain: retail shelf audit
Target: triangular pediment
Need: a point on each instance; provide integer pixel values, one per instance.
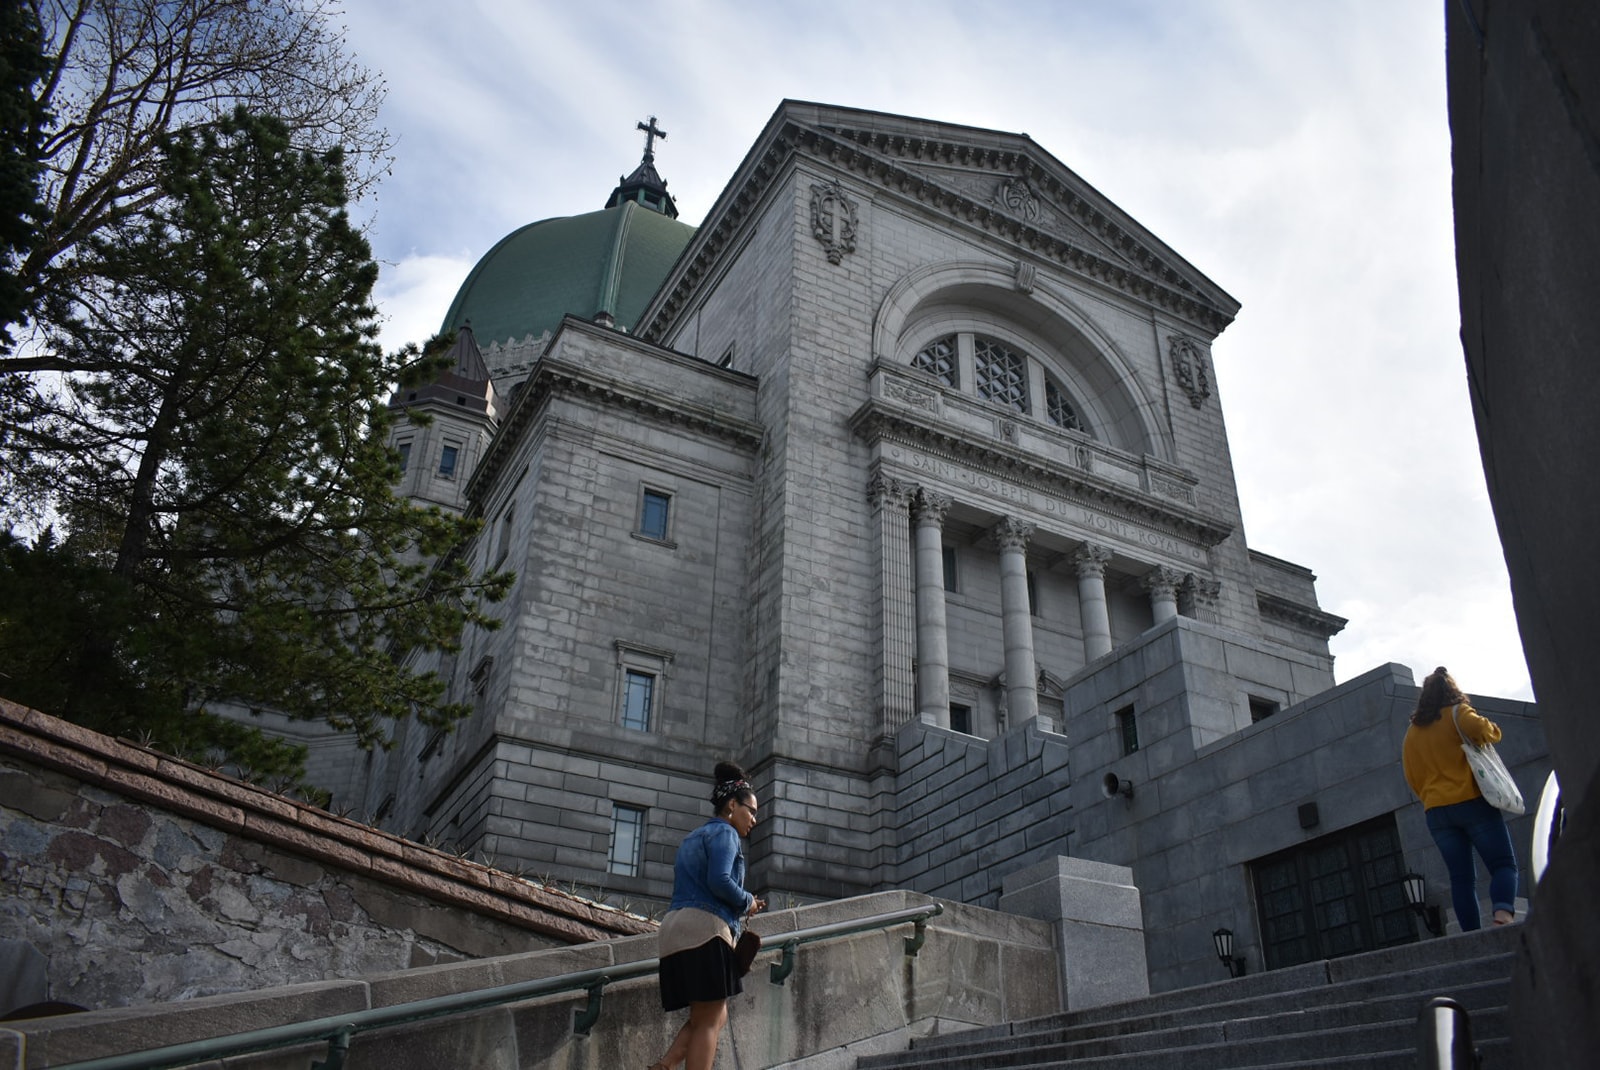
(1001, 183)
(1018, 197)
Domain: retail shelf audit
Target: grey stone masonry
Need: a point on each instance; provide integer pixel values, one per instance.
(1099, 927)
(972, 811)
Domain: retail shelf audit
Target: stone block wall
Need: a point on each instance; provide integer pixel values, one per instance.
(141, 879)
(848, 995)
(1206, 804)
(973, 811)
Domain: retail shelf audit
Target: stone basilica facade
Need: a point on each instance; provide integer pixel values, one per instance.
(902, 480)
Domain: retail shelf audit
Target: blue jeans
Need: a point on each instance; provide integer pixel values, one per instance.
(1460, 828)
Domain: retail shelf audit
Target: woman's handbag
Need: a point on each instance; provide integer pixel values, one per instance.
(1494, 779)
(746, 950)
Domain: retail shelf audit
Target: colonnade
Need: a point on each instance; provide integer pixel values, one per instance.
(915, 631)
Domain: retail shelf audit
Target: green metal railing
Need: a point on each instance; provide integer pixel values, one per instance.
(338, 1030)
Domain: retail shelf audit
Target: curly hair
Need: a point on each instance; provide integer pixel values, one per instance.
(731, 783)
(1439, 690)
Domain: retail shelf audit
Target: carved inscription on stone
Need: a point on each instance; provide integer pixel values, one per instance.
(833, 220)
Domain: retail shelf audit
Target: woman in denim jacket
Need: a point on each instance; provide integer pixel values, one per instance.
(709, 905)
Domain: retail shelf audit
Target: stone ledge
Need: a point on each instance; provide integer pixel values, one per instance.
(243, 809)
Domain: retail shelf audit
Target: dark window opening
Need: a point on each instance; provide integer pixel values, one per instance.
(961, 717)
(1129, 727)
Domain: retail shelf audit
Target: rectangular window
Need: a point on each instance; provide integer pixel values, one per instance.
(503, 550)
(950, 569)
(638, 693)
(1261, 708)
(447, 461)
(654, 512)
(405, 455)
(961, 717)
(627, 840)
(1129, 729)
(1033, 595)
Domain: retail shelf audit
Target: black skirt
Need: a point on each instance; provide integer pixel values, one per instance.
(702, 974)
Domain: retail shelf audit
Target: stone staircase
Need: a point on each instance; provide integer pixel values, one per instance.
(1355, 1011)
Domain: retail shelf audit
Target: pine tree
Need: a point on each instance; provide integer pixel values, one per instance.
(214, 457)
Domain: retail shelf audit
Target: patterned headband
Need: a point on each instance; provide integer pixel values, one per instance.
(728, 789)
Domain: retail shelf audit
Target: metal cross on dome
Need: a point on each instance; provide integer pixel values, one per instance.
(651, 132)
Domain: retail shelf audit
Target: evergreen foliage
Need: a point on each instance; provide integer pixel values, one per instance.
(212, 457)
(22, 64)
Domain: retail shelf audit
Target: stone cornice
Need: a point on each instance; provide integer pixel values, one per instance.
(1307, 618)
(187, 790)
(878, 421)
(876, 156)
(554, 377)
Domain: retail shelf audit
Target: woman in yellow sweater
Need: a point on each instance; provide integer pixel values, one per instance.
(1458, 816)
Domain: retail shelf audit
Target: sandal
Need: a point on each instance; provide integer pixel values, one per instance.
(1501, 917)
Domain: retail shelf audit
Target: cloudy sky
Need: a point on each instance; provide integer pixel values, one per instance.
(1298, 153)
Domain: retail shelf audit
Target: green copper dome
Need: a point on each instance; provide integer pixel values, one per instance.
(609, 262)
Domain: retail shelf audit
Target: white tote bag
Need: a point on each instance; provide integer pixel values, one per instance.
(1493, 778)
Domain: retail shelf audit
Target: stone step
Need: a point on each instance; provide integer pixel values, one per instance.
(1478, 983)
(1361, 1010)
(1379, 1046)
(1189, 1027)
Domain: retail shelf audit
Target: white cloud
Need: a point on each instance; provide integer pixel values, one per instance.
(414, 294)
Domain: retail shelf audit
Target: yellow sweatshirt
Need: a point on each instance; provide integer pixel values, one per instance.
(1434, 765)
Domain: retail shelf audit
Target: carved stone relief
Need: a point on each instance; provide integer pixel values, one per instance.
(914, 396)
(1027, 277)
(833, 220)
(1189, 367)
(1014, 195)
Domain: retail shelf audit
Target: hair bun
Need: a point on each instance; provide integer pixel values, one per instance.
(1441, 671)
(727, 772)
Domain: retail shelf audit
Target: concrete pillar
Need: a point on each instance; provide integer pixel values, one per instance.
(1099, 926)
(1162, 583)
(1016, 621)
(933, 637)
(1090, 562)
(896, 610)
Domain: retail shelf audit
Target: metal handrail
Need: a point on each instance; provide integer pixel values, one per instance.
(337, 1030)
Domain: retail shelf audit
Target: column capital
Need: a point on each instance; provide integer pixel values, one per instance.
(1090, 559)
(1162, 580)
(1012, 534)
(1197, 596)
(929, 507)
(885, 490)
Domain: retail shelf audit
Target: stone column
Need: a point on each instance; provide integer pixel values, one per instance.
(1016, 621)
(933, 637)
(1090, 562)
(1162, 583)
(896, 609)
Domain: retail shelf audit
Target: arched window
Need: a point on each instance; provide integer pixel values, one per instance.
(1058, 410)
(938, 359)
(1002, 373)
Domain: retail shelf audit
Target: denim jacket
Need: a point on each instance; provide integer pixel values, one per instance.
(708, 873)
